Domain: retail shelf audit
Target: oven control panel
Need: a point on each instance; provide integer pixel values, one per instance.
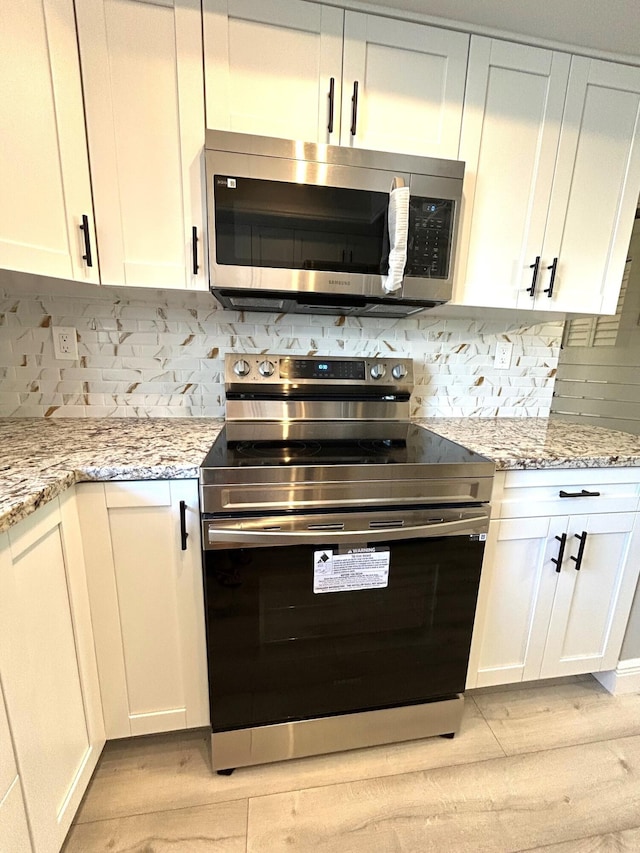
(307, 370)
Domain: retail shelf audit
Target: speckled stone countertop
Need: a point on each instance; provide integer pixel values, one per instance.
(519, 443)
(42, 457)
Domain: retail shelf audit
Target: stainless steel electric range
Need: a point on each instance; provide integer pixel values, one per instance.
(342, 548)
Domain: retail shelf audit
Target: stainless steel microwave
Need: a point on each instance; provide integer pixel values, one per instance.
(303, 228)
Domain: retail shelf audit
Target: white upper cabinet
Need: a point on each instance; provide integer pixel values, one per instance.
(403, 86)
(595, 190)
(510, 132)
(44, 170)
(144, 102)
(274, 68)
(552, 151)
(304, 71)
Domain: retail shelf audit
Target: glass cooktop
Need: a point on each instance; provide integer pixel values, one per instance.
(268, 444)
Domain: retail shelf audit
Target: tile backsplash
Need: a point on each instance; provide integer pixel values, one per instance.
(149, 353)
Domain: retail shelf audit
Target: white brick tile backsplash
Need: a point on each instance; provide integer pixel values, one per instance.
(156, 353)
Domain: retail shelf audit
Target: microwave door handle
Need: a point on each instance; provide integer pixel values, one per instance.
(397, 183)
(214, 536)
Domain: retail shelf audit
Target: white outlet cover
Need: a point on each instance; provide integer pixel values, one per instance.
(502, 359)
(65, 343)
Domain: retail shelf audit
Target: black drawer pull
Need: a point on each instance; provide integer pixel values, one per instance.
(554, 269)
(535, 266)
(194, 243)
(558, 560)
(583, 541)
(583, 494)
(87, 240)
(332, 89)
(354, 108)
(183, 525)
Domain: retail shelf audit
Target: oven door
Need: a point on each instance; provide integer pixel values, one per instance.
(315, 615)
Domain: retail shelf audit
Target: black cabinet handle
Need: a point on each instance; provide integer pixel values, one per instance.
(553, 268)
(332, 90)
(558, 560)
(583, 541)
(535, 266)
(354, 108)
(194, 240)
(87, 240)
(583, 494)
(183, 525)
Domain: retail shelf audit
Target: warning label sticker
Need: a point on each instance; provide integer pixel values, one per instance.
(356, 568)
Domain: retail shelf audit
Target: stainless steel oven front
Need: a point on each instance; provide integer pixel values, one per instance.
(336, 630)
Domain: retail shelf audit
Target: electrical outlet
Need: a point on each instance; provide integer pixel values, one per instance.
(65, 342)
(502, 359)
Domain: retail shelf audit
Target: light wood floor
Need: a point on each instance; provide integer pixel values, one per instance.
(552, 766)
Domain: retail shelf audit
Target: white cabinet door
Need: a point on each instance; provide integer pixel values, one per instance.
(144, 101)
(514, 601)
(410, 83)
(510, 130)
(595, 189)
(44, 170)
(48, 667)
(147, 604)
(592, 603)
(14, 832)
(269, 68)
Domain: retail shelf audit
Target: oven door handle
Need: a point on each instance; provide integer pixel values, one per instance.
(217, 536)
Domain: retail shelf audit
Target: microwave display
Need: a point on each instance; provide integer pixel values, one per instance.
(262, 223)
(430, 233)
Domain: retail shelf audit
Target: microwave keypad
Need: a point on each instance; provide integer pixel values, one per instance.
(430, 224)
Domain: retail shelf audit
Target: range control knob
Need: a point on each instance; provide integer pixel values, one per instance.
(378, 371)
(241, 367)
(399, 371)
(266, 368)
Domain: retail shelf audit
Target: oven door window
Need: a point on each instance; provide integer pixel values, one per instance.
(279, 652)
(260, 223)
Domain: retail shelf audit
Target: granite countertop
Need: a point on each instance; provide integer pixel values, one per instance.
(520, 443)
(42, 457)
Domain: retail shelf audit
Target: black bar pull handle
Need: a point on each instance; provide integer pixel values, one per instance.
(87, 240)
(194, 241)
(183, 525)
(583, 541)
(562, 539)
(354, 108)
(554, 269)
(535, 266)
(332, 91)
(582, 494)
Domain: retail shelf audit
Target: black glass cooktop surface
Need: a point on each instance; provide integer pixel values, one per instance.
(395, 443)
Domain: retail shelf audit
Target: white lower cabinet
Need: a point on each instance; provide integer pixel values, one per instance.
(14, 832)
(542, 610)
(147, 604)
(49, 675)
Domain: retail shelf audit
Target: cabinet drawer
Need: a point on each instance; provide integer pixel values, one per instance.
(518, 494)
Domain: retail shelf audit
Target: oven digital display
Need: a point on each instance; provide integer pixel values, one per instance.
(310, 368)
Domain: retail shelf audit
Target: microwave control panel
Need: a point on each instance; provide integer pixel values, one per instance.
(429, 243)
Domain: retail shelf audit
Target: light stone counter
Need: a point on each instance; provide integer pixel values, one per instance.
(519, 443)
(42, 457)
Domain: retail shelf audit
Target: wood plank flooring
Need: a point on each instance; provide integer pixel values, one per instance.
(552, 766)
